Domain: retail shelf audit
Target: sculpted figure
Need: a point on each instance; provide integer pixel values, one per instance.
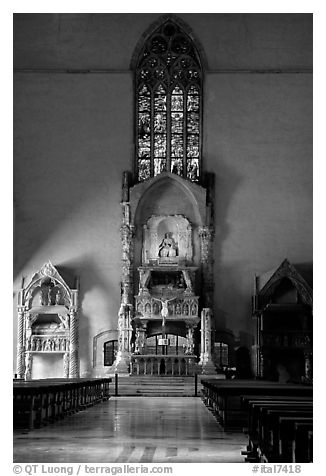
(28, 344)
(49, 297)
(58, 297)
(168, 247)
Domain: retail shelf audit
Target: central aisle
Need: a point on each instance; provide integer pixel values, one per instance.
(134, 430)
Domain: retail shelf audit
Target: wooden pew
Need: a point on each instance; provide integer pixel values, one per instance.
(223, 397)
(302, 444)
(272, 413)
(271, 423)
(38, 402)
(291, 447)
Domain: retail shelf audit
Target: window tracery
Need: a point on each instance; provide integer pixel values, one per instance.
(168, 105)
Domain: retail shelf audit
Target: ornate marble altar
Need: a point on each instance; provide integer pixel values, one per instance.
(47, 322)
(166, 259)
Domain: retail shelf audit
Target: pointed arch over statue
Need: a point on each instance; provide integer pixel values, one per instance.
(191, 193)
(47, 323)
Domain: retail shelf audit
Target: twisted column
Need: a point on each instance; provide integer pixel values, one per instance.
(73, 348)
(20, 365)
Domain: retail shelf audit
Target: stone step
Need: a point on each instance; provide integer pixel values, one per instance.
(151, 385)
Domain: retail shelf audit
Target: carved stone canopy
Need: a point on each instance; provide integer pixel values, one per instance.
(167, 239)
(47, 288)
(47, 322)
(287, 271)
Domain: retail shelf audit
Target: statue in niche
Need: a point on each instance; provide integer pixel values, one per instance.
(185, 309)
(41, 298)
(49, 297)
(48, 345)
(168, 247)
(58, 297)
(181, 282)
(155, 308)
(28, 344)
(56, 344)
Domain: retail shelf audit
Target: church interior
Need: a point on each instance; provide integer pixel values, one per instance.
(163, 237)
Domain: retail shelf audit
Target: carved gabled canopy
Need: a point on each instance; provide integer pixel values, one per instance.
(47, 274)
(285, 271)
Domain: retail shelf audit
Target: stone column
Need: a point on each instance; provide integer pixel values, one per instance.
(20, 365)
(73, 347)
(28, 365)
(66, 365)
(206, 362)
(122, 363)
(190, 340)
(140, 344)
(127, 240)
(206, 237)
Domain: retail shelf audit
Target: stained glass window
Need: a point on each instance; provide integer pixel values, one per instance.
(168, 105)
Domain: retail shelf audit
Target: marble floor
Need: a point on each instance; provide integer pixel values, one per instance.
(134, 430)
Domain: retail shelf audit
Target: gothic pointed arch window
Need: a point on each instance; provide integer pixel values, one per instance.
(168, 105)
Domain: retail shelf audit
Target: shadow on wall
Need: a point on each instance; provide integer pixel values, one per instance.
(94, 299)
(233, 301)
(50, 222)
(227, 180)
(226, 278)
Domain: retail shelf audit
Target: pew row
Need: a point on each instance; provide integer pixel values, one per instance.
(223, 398)
(39, 402)
(279, 429)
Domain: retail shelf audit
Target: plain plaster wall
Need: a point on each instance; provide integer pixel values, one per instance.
(73, 138)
